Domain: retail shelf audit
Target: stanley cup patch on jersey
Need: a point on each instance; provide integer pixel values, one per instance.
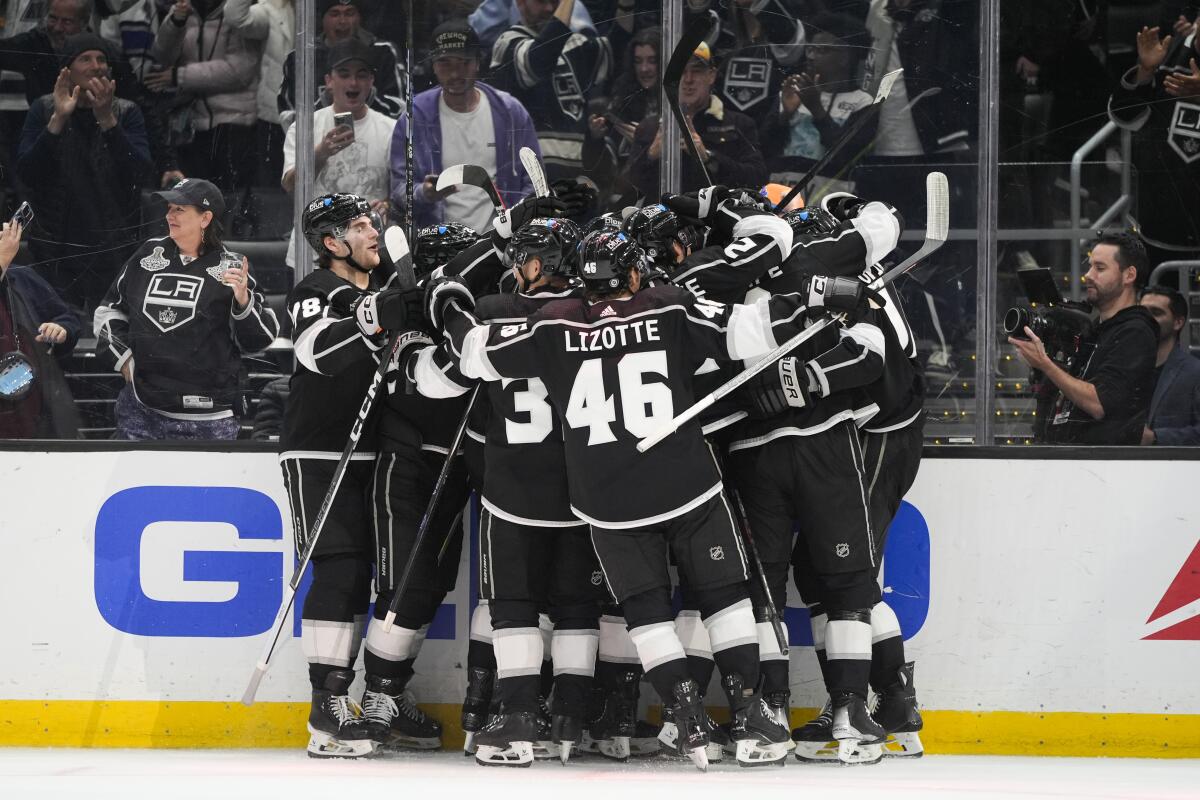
(747, 81)
(155, 261)
(1184, 133)
(171, 300)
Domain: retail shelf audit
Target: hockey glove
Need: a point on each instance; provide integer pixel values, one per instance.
(842, 205)
(784, 387)
(366, 314)
(439, 293)
(836, 295)
(577, 197)
(699, 205)
(512, 219)
(399, 308)
(812, 222)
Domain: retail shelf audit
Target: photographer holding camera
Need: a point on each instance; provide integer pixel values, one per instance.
(1106, 402)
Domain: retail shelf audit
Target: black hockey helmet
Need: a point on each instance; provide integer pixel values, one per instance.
(331, 215)
(655, 227)
(609, 222)
(552, 239)
(437, 244)
(605, 260)
(811, 221)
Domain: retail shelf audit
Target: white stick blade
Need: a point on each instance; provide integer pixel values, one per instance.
(886, 83)
(451, 176)
(533, 168)
(937, 203)
(252, 689)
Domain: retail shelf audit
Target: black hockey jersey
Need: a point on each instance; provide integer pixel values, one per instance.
(179, 324)
(617, 371)
(335, 362)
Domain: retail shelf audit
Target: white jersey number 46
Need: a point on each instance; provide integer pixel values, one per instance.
(645, 407)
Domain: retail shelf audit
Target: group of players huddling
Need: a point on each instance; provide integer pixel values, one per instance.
(583, 342)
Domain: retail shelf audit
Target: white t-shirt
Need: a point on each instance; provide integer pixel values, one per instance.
(469, 138)
(363, 168)
(804, 139)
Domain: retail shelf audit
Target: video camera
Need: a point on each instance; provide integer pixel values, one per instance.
(1062, 325)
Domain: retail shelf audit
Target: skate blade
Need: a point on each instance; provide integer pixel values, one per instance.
(852, 752)
(616, 748)
(400, 742)
(544, 749)
(564, 752)
(903, 745)
(517, 754)
(469, 744)
(668, 735)
(322, 745)
(642, 746)
(699, 757)
(756, 754)
(827, 753)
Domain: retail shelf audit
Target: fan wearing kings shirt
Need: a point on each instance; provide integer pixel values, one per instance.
(618, 366)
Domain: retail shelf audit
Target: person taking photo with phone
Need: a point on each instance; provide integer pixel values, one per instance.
(352, 139)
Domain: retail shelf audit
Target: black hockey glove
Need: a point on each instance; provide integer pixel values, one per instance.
(812, 222)
(577, 197)
(439, 293)
(400, 366)
(400, 308)
(512, 219)
(700, 206)
(837, 295)
(785, 386)
(842, 205)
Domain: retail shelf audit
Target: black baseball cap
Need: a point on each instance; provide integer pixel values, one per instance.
(352, 49)
(195, 192)
(456, 38)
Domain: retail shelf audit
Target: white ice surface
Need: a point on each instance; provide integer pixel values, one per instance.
(291, 775)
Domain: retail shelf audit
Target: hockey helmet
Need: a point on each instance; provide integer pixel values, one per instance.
(437, 244)
(552, 239)
(609, 222)
(605, 260)
(655, 227)
(331, 215)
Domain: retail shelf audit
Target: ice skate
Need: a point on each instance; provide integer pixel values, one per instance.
(617, 722)
(897, 713)
(507, 740)
(668, 737)
(761, 739)
(481, 683)
(335, 723)
(566, 732)
(815, 743)
(544, 747)
(691, 723)
(394, 719)
(855, 731)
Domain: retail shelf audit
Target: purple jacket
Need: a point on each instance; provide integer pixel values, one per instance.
(514, 130)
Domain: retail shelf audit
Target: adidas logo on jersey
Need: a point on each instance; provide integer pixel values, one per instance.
(608, 312)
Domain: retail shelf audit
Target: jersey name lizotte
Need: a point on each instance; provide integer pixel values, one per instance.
(613, 336)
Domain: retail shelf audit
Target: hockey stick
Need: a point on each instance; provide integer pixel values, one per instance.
(396, 245)
(409, 217)
(423, 528)
(289, 593)
(692, 36)
(937, 225)
(470, 175)
(872, 113)
(537, 175)
(742, 521)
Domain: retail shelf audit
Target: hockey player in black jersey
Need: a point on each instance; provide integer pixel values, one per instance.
(339, 320)
(636, 350)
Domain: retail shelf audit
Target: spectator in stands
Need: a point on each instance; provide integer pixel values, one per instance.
(84, 155)
(342, 20)
(177, 320)
(1159, 99)
(272, 22)
(726, 140)
(214, 71)
(815, 105)
(37, 324)
(462, 120)
(494, 17)
(351, 159)
(613, 122)
(554, 72)
(1107, 402)
(1174, 416)
(756, 43)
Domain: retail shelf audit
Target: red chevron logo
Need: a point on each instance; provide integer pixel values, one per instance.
(1185, 589)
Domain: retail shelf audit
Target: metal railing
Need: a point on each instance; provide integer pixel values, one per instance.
(1122, 204)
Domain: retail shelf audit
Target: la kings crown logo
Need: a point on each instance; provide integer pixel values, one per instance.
(1184, 133)
(171, 300)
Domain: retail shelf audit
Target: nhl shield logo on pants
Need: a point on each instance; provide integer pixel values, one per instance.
(171, 300)
(842, 550)
(716, 553)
